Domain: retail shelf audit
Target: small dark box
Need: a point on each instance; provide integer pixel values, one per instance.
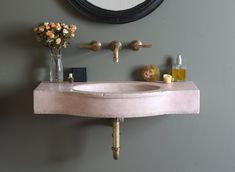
(79, 74)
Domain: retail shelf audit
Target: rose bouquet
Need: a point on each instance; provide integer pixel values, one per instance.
(55, 35)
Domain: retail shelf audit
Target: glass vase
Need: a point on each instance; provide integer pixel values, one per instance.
(56, 68)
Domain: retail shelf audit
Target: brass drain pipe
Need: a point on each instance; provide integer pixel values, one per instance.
(116, 138)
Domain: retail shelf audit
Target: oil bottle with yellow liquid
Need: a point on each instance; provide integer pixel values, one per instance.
(179, 70)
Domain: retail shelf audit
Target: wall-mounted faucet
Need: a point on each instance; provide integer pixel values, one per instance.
(136, 45)
(115, 46)
(94, 46)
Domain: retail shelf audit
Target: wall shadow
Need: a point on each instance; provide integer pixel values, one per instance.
(167, 65)
(30, 141)
(23, 41)
(40, 140)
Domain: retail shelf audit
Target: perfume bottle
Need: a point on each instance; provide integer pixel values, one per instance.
(179, 70)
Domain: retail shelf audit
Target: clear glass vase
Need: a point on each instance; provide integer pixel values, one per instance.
(56, 68)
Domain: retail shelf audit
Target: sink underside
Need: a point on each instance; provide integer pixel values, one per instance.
(116, 100)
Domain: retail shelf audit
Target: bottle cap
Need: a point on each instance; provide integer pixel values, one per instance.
(70, 75)
(179, 60)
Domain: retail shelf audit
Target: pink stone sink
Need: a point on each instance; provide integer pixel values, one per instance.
(117, 99)
(119, 89)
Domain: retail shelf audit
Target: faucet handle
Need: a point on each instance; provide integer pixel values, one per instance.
(94, 46)
(137, 45)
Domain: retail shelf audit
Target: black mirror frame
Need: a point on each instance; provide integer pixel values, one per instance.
(115, 17)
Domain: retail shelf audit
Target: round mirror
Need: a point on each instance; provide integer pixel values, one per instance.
(116, 5)
(115, 11)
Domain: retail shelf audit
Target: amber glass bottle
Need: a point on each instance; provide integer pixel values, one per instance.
(179, 70)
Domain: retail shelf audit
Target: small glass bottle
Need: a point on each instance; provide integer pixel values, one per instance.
(70, 78)
(179, 70)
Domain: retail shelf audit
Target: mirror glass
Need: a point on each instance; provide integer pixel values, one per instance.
(115, 11)
(116, 5)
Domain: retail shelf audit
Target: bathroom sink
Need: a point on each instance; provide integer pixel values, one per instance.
(117, 99)
(119, 89)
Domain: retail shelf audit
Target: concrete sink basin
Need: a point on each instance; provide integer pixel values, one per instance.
(124, 89)
(117, 99)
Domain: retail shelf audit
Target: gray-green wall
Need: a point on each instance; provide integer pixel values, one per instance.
(202, 31)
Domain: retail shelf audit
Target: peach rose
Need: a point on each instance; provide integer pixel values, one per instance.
(58, 41)
(46, 23)
(50, 34)
(48, 27)
(65, 31)
(73, 26)
(41, 29)
(58, 27)
(73, 29)
(53, 25)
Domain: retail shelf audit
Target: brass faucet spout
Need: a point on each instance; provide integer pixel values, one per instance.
(116, 55)
(115, 47)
